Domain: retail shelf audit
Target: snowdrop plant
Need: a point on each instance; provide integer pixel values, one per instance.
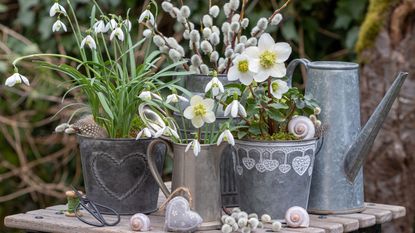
(113, 80)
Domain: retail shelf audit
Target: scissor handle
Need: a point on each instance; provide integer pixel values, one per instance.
(85, 221)
(111, 210)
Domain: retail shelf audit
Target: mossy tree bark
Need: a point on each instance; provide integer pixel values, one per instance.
(387, 46)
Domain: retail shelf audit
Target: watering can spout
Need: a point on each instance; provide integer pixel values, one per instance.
(357, 152)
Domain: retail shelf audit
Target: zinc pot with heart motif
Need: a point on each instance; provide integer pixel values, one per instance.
(273, 176)
(116, 173)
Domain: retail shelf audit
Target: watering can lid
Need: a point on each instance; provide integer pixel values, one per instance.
(333, 65)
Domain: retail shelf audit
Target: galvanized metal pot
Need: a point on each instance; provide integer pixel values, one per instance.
(200, 174)
(274, 176)
(116, 173)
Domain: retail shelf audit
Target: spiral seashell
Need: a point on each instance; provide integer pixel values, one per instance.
(302, 127)
(140, 222)
(297, 217)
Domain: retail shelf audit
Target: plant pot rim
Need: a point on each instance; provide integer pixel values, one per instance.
(244, 141)
(113, 139)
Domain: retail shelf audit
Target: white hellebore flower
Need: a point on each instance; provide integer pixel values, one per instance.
(118, 33)
(148, 95)
(56, 27)
(278, 88)
(56, 8)
(227, 137)
(127, 24)
(16, 78)
(144, 133)
(268, 58)
(195, 145)
(88, 40)
(215, 85)
(200, 111)
(234, 109)
(240, 70)
(112, 24)
(146, 16)
(99, 27)
(175, 98)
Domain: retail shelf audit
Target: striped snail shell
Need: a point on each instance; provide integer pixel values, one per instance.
(302, 127)
(297, 217)
(140, 222)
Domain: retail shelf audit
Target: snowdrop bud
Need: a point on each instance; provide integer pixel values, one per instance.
(185, 10)
(214, 11)
(276, 226)
(196, 60)
(226, 228)
(206, 33)
(236, 17)
(214, 56)
(164, 49)
(240, 48)
(175, 55)
(234, 4)
(251, 42)
(266, 218)
(206, 47)
(245, 23)
(207, 21)
(194, 36)
(276, 20)
(158, 40)
(167, 6)
(186, 34)
(229, 52)
(242, 222)
(226, 27)
(255, 31)
(214, 39)
(243, 39)
(235, 26)
(215, 30)
(147, 33)
(262, 24)
(204, 69)
(227, 9)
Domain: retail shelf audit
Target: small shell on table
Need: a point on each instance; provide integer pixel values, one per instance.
(140, 222)
(302, 127)
(297, 217)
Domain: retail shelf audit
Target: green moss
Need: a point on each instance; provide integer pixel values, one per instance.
(281, 136)
(136, 126)
(373, 23)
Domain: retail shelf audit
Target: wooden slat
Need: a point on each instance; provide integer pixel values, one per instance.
(365, 220)
(287, 229)
(348, 224)
(329, 227)
(397, 211)
(381, 216)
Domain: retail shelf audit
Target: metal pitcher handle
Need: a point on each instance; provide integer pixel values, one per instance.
(152, 163)
(291, 67)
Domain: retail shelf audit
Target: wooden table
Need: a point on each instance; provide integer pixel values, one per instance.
(52, 219)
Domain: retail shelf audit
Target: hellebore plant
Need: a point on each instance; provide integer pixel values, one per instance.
(107, 71)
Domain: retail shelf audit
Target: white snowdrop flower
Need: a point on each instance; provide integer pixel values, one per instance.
(56, 8)
(235, 26)
(235, 108)
(127, 24)
(279, 88)
(167, 131)
(194, 36)
(196, 60)
(175, 55)
(245, 23)
(234, 4)
(160, 132)
(240, 70)
(147, 16)
(144, 133)
(214, 11)
(56, 27)
(112, 24)
(240, 48)
(200, 111)
(207, 21)
(195, 145)
(16, 78)
(227, 9)
(88, 40)
(167, 6)
(214, 39)
(206, 47)
(60, 128)
(235, 18)
(226, 27)
(262, 24)
(228, 52)
(158, 40)
(186, 34)
(226, 136)
(164, 49)
(276, 20)
(99, 27)
(147, 33)
(175, 98)
(148, 95)
(251, 42)
(255, 31)
(204, 69)
(207, 32)
(243, 39)
(185, 11)
(118, 33)
(216, 30)
(214, 56)
(215, 85)
(268, 58)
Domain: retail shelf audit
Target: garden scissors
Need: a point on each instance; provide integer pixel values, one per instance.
(91, 207)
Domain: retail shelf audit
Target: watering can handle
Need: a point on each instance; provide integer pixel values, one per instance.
(291, 67)
(152, 163)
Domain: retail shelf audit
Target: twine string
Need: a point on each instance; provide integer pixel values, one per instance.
(174, 193)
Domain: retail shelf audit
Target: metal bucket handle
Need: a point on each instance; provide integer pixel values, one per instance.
(291, 67)
(152, 163)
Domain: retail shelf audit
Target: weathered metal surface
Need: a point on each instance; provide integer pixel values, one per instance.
(274, 176)
(116, 173)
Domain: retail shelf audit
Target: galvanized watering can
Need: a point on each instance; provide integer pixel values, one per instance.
(337, 181)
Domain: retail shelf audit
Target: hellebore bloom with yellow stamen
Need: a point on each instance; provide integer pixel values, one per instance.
(200, 111)
(240, 70)
(279, 88)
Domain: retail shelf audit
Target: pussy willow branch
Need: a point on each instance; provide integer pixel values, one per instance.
(279, 10)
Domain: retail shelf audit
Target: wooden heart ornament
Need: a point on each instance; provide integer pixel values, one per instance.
(179, 217)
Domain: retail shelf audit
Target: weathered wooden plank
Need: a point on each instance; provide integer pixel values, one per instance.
(348, 224)
(397, 211)
(329, 227)
(268, 226)
(381, 216)
(365, 220)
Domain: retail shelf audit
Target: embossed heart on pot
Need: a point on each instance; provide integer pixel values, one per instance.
(260, 167)
(131, 170)
(284, 168)
(270, 164)
(248, 162)
(300, 164)
(180, 218)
